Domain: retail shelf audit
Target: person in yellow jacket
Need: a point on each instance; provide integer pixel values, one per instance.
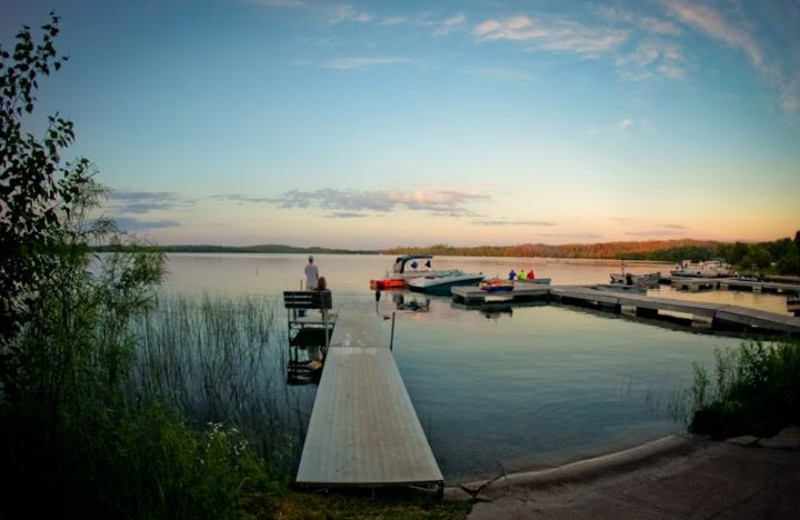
(521, 274)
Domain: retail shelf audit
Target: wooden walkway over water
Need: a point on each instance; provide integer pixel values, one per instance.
(719, 315)
(363, 430)
(695, 284)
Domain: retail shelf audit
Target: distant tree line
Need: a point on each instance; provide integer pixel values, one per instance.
(606, 250)
(267, 248)
(776, 257)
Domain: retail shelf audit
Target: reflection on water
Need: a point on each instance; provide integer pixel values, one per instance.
(540, 384)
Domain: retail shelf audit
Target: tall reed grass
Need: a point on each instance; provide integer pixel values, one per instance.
(224, 360)
(753, 389)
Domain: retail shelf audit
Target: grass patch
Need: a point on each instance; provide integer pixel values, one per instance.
(753, 390)
(353, 505)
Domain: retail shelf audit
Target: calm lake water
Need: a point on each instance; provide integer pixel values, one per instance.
(530, 387)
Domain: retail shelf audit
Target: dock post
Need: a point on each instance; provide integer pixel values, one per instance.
(391, 340)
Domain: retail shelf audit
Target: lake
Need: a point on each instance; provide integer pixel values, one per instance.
(516, 389)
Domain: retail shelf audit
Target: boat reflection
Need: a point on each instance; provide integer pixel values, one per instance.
(405, 302)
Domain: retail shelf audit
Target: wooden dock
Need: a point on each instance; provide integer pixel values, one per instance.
(521, 293)
(718, 315)
(363, 430)
(695, 284)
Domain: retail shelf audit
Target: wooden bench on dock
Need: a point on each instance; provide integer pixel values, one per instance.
(310, 324)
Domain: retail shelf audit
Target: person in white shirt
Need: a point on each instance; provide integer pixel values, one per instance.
(312, 274)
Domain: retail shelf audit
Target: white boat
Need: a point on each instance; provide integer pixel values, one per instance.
(709, 269)
(643, 280)
(412, 266)
(405, 268)
(441, 282)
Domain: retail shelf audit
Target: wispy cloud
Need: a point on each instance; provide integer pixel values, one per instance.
(648, 24)
(338, 13)
(142, 201)
(346, 214)
(292, 4)
(134, 224)
(241, 199)
(617, 128)
(653, 59)
(741, 37)
(439, 202)
(500, 73)
(555, 35)
(713, 24)
(393, 20)
(503, 222)
(363, 62)
(451, 24)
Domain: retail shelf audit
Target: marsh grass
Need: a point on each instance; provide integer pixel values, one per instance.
(223, 360)
(753, 389)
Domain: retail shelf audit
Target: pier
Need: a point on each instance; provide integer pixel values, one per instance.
(696, 284)
(363, 430)
(717, 315)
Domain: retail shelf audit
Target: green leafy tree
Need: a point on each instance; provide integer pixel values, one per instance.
(34, 183)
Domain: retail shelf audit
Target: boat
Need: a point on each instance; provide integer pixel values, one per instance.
(441, 282)
(496, 285)
(387, 283)
(711, 269)
(643, 280)
(404, 269)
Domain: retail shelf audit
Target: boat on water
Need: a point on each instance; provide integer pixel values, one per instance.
(709, 269)
(404, 269)
(496, 285)
(441, 282)
(643, 280)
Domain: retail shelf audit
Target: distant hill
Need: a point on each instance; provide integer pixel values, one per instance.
(265, 248)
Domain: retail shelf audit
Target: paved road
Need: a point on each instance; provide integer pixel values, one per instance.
(674, 478)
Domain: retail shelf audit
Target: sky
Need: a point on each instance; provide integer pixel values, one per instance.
(376, 124)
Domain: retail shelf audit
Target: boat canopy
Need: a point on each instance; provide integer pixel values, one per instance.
(400, 262)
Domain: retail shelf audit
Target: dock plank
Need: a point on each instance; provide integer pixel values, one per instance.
(363, 429)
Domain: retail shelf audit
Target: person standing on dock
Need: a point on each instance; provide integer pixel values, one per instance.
(312, 275)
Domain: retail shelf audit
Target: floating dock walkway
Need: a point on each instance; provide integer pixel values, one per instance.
(720, 316)
(363, 430)
(695, 284)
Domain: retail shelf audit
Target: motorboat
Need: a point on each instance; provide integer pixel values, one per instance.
(404, 269)
(643, 280)
(441, 282)
(709, 269)
(496, 285)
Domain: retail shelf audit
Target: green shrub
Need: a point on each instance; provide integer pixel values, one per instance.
(756, 390)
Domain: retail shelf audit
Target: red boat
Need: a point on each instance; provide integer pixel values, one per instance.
(391, 283)
(497, 285)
